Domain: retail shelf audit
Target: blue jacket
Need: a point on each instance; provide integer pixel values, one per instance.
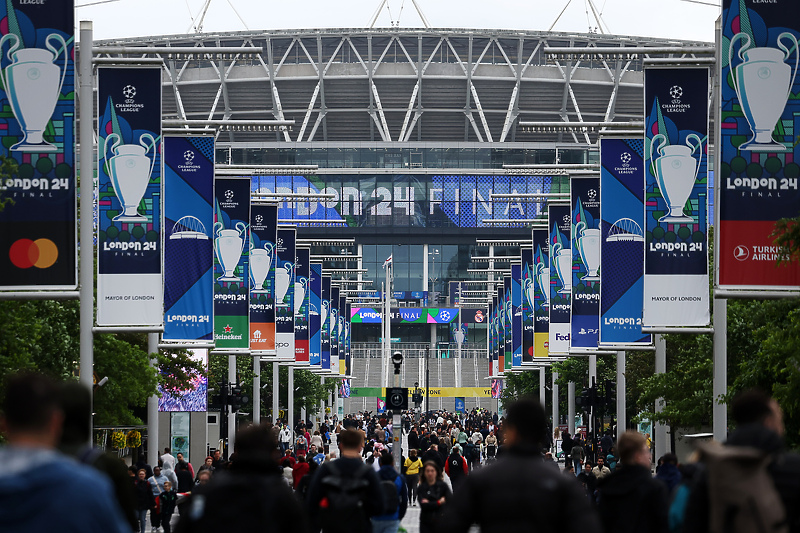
(388, 473)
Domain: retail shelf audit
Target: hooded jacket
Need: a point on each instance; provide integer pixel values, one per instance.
(630, 500)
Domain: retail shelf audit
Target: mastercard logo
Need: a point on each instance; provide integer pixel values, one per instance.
(41, 253)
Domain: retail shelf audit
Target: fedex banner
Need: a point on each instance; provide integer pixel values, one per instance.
(188, 244)
(284, 292)
(622, 241)
(38, 244)
(760, 123)
(585, 309)
(263, 236)
(129, 291)
(560, 278)
(541, 299)
(676, 197)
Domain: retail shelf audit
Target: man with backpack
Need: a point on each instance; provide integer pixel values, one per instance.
(395, 497)
(456, 467)
(345, 493)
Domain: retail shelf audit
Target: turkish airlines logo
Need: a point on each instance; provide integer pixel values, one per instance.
(741, 253)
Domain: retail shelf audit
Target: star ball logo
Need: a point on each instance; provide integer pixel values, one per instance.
(676, 91)
(592, 194)
(188, 157)
(567, 219)
(259, 219)
(626, 159)
(741, 253)
(229, 195)
(129, 91)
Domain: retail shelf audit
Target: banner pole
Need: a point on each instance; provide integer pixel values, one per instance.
(660, 428)
(622, 422)
(152, 405)
(256, 390)
(555, 403)
(571, 408)
(275, 392)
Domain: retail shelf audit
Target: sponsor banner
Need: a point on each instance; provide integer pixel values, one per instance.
(231, 263)
(760, 155)
(325, 323)
(314, 316)
(334, 329)
(348, 343)
(301, 302)
(129, 291)
(516, 315)
(622, 241)
(585, 239)
(263, 236)
(433, 392)
(528, 305)
(188, 244)
(497, 389)
(342, 335)
(560, 278)
(508, 315)
(285, 252)
(676, 197)
(541, 298)
(38, 237)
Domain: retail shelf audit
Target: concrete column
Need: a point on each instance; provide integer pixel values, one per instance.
(231, 414)
(555, 400)
(276, 378)
(660, 430)
(720, 385)
(152, 407)
(256, 390)
(542, 387)
(571, 407)
(621, 389)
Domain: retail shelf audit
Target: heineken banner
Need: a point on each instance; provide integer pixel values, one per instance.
(188, 246)
(585, 228)
(516, 316)
(333, 327)
(263, 237)
(314, 317)
(528, 305)
(760, 119)
(676, 197)
(231, 263)
(541, 299)
(508, 314)
(285, 256)
(622, 241)
(301, 300)
(129, 291)
(37, 228)
(325, 323)
(560, 278)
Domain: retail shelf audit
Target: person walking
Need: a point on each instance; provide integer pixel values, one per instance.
(456, 467)
(413, 465)
(389, 521)
(433, 494)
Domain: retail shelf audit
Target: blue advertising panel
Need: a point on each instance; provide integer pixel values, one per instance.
(325, 323)
(508, 315)
(528, 304)
(129, 290)
(347, 341)
(263, 237)
(541, 299)
(38, 245)
(676, 197)
(622, 245)
(342, 334)
(301, 300)
(495, 337)
(516, 315)
(334, 330)
(585, 233)
(314, 315)
(560, 277)
(188, 248)
(286, 255)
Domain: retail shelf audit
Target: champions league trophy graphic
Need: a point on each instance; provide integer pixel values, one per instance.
(676, 171)
(323, 316)
(563, 262)
(543, 275)
(589, 248)
(527, 290)
(460, 334)
(282, 276)
(129, 169)
(32, 84)
(763, 83)
(260, 263)
(228, 246)
(300, 287)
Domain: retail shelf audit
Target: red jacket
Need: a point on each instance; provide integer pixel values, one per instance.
(298, 471)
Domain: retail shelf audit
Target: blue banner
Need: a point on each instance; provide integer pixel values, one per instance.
(314, 310)
(541, 298)
(528, 304)
(129, 291)
(516, 315)
(38, 245)
(508, 316)
(496, 355)
(341, 334)
(284, 292)
(325, 323)
(461, 405)
(347, 341)
(263, 238)
(188, 247)
(622, 247)
(334, 329)
(585, 233)
(560, 278)
(301, 301)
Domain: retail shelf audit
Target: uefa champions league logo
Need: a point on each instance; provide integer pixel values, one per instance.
(626, 159)
(445, 315)
(188, 157)
(567, 219)
(259, 219)
(676, 91)
(592, 194)
(229, 195)
(280, 243)
(129, 91)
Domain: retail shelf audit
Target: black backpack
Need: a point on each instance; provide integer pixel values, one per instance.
(342, 507)
(390, 494)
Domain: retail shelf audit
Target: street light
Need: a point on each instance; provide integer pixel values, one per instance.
(433, 277)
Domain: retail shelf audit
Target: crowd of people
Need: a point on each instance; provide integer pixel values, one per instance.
(498, 473)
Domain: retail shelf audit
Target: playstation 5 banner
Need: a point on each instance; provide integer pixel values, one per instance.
(760, 120)
(284, 292)
(622, 241)
(516, 316)
(188, 245)
(302, 274)
(129, 291)
(314, 316)
(560, 277)
(528, 304)
(676, 197)
(38, 227)
(585, 309)
(263, 236)
(541, 298)
(232, 263)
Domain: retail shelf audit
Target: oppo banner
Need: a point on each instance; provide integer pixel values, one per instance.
(325, 323)
(300, 306)
(560, 278)
(231, 263)
(38, 247)
(263, 236)
(622, 241)
(528, 305)
(314, 316)
(129, 291)
(188, 244)
(284, 297)
(516, 315)
(676, 197)
(541, 299)
(585, 228)
(760, 153)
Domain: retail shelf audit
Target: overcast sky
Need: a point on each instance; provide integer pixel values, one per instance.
(679, 19)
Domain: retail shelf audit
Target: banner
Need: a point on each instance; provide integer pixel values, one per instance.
(334, 329)
(325, 323)
(263, 237)
(560, 278)
(585, 239)
(347, 342)
(676, 291)
(528, 305)
(231, 263)
(541, 298)
(497, 389)
(434, 392)
(284, 297)
(344, 389)
(461, 404)
(129, 291)
(494, 329)
(459, 331)
(341, 335)
(381, 405)
(508, 315)
(38, 236)
(188, 247)
(516, 316)
(314, 307)
(301, 301)
(622, 244)
(760, 119)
